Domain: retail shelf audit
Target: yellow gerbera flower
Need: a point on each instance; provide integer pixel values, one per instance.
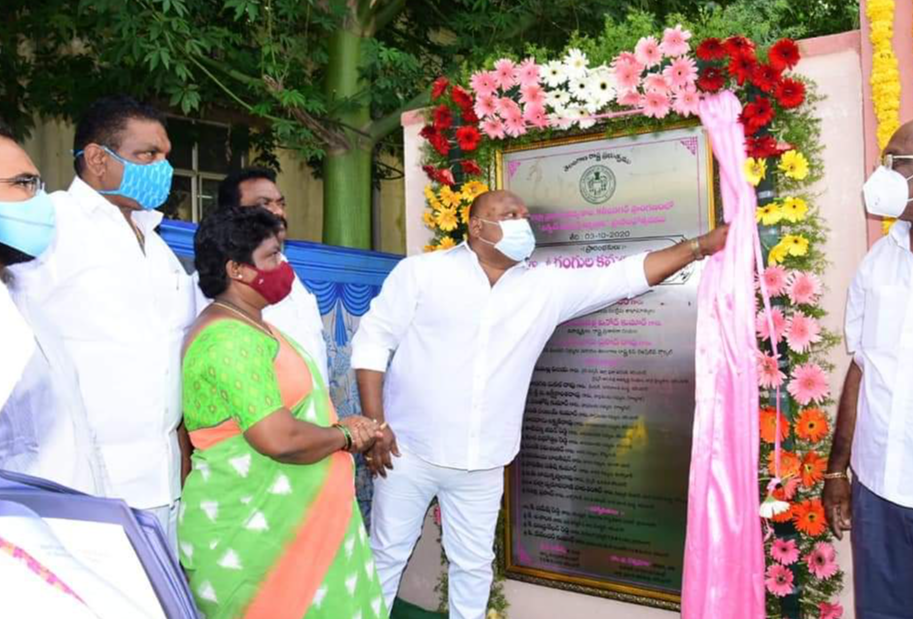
(794, 209)
(428, 218)
(797, 245)
(886, 224)
(769, 214)
(435, 204)
(777, 254)
(429, 193)
(429, 248)
(449, 197)
(755, 170)
(794, 165)
(474, 188)
(446, 219)
(464, 214)
(446, 243)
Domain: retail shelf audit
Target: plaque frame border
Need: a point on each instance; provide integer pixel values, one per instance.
(631, 594)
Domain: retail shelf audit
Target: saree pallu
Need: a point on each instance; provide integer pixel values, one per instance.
(260, 538)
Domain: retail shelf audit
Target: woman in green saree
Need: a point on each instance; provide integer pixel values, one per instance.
(268, 527)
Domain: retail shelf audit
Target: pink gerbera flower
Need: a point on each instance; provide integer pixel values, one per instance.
(486, 105)
(528, 73)
(483, 83)
(803, 331)
(804, 288)
(628, 58)
(779, 580)
(532, 95)
(681, 73)
(493, 128)
(687, 102)
(647, 52)
(784, 551)
(775, 280)
(536, 116)
(655, 82)
(507, 107)
(656, 105)
(822, 561)
(830, 611)
(809, 382)
(627, 76)
(769, 374)
(763, 328)
(631, 98)
(505, 74)
(514, 125)
(675, 42)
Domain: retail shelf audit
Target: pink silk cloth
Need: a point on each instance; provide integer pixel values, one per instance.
(724, 561)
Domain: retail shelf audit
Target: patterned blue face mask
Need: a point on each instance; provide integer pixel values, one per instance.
(149, 184)
(28, 225)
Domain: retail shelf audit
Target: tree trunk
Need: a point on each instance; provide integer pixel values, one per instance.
(347, 172)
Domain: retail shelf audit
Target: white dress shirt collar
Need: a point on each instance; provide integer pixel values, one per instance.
(146, 220)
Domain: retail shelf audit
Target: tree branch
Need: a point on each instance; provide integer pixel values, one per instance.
(385, 125)
(384, 14)
(333, 139)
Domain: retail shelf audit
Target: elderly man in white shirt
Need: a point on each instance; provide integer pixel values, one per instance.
(874, 431)
(120, 300)
(44, 430)
(298, 314)
(465, 328)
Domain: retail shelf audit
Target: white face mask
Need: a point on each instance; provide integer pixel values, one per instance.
(517, 240)
(886, 193)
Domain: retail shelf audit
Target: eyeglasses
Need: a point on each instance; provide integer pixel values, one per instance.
(888, 160)
(29, 183)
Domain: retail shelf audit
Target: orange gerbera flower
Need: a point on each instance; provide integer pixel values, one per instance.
(813, 467)
(812, 425)
(808, 516)
(768, 425)
(789, 464)
(785, 516)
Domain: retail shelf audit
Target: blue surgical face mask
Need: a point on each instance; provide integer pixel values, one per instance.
(28, 226)
(149, 184)
(517, 240)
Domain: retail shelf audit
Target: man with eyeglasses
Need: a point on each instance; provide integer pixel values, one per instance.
(298, 315)
(121, 300)
(44, 429)
(874, 433)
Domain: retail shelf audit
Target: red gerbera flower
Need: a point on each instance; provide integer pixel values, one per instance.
(711, 49)
(763, 147)
(737, 46)
(762, 112)
(471, 167)
(468, 138)
(742, 66)
(784, 55)
(439, 87)
(765, 77)
(443, 118)
(462, 98)
(440, 144)
(444, 176)
(711, 79)
(790, 93)
(469, 116)
(429, 170)
(427, 131)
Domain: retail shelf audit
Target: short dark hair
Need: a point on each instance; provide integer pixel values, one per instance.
(105, 120)
(229, 234)
(230, 187)
(6, 131)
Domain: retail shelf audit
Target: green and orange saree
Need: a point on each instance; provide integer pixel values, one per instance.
(261, 539)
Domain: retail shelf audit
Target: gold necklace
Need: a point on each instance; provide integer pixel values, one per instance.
(246, 316)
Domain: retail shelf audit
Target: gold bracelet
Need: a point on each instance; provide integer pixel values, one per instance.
(696, 249)
(836, 475)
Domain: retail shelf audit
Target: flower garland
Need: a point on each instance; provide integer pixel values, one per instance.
(885, 74)
(662, 78)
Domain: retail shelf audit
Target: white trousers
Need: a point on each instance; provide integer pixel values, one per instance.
(469, 500)
(168, 517)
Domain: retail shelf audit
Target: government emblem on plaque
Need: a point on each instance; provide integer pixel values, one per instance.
(597, 184)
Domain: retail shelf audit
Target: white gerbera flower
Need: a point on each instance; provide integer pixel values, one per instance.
(580, 88)
(601, 88)
(554, 74)
(558, 98)
(575, 63)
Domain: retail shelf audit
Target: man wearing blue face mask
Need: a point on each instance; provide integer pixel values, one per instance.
(44, 430)
(451, 403)
(874, 430)
(120, 299)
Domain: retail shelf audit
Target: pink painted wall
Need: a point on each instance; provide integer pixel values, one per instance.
(903, 49)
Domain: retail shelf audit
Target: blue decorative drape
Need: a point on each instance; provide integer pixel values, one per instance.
(355, 298)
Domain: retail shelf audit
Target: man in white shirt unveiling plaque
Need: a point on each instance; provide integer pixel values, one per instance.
(465, 328)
